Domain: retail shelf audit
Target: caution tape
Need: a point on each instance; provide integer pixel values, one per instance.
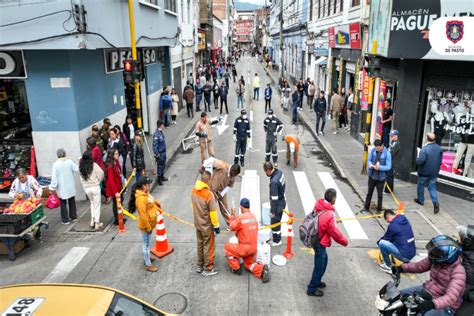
(127, 182)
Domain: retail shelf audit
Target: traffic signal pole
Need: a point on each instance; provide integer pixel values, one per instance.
(134, 57)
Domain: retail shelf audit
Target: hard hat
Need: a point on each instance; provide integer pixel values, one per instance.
(292, 147)
(270, 112)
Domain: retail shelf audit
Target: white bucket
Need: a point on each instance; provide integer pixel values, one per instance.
(266, 213)
(263, 253)
(264, 235)
(233, 240)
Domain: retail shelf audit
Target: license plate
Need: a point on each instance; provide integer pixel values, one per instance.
(24, 306)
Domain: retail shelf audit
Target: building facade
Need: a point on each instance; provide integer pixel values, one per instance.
(65, 71)
(244, 26)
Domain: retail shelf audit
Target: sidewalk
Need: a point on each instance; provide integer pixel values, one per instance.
(346, 153)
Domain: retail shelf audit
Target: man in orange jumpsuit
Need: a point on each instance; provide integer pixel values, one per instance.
(292, 147)
(246, 228)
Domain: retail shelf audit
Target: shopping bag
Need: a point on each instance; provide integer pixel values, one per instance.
(53, 201)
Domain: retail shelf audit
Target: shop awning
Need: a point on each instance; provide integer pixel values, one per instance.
(321, 61)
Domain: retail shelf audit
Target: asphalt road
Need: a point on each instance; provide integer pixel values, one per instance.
(353, 278)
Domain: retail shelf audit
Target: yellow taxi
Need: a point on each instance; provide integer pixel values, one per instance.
(71, 300)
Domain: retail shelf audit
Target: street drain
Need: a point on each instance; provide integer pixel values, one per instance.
(173, 303)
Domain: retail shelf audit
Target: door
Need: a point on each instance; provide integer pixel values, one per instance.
(178, 85)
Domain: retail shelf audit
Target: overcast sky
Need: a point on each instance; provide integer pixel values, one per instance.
(259, 2)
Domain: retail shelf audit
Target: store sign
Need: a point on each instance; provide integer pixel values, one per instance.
(410, 27)
(12, 64)
(321, 51)
(201, 40)
(380, 106)
(364, 102)
(345, 36)
(453, 37)
(114, 58)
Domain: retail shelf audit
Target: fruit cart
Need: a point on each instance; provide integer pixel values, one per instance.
(19, 221)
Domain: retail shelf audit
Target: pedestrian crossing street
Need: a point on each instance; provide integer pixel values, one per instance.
(250, 188)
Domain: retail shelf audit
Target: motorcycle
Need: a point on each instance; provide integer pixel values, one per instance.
(390, 301)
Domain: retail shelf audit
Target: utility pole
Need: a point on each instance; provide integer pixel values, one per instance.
(282, 46)
(134, 57)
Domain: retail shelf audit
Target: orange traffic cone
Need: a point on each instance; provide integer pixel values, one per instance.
(401, 208)
(121, 227)
(162, 248)
(288, 253)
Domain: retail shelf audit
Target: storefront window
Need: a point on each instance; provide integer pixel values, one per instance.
(450, 116)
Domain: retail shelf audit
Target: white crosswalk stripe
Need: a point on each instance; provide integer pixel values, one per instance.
(304, 189)
(66, 265)
(353, 227)
(250, 189)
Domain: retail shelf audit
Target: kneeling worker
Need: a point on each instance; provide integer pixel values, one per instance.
(292, 147)
(397, 241)
(246, 228)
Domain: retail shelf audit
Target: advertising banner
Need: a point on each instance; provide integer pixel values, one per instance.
(410, 27)
(12, 64)
(345, 36)
(380, 107)
(364, 103)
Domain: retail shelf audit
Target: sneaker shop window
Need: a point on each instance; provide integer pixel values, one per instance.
(450, 116)
(15, 131)
(170, 5)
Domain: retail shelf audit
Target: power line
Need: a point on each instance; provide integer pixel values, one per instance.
(36, 18)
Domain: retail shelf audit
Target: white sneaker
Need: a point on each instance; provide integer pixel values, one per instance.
(335, 133)
(385, 268)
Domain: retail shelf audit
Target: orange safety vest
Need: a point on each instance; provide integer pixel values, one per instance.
(293, 139)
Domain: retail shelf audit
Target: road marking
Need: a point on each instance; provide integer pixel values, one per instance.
(66, 265)
(251, 116)
(304, 189)
(353, 227)
(221, 128)
(250, 189)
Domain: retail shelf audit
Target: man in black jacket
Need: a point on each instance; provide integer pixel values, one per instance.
(394, 148)
(320, 106)
(241, 133)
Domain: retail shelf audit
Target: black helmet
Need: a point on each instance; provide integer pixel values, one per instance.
(466, 234)
(270, 112)
(443, 250)
(243, 112)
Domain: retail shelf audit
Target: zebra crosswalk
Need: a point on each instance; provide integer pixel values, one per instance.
(250, 188)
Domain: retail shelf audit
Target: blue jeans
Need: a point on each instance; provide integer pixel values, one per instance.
(138, 175)
(434, 312)
(294, 112)
(146, 247)
(420, 188)
(256, 93)
(387, 249)
(240, 101)
(167, 117)
(320, 264)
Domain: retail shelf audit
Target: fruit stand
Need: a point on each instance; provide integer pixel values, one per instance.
(19, 219)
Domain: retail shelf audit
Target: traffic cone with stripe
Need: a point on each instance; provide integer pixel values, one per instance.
(162, 248)
(288, 253)
(121, 226)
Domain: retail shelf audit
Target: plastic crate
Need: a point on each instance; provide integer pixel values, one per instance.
(14, 224)
(37, 214)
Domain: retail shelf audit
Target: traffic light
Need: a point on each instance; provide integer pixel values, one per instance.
(132, 71)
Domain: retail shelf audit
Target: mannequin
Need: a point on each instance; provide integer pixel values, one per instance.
(438, 120)
(467, 139)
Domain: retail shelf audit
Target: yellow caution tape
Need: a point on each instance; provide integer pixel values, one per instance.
(127, 182)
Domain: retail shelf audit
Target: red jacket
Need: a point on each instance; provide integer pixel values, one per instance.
(113, 184)
(327, 229)
(97, 156)
(246, 228)
(446, 283)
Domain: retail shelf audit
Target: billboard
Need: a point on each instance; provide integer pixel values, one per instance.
(345, 36)
(409, 24)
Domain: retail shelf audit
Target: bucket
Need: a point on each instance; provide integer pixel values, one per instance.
(233, 240)
(266, 213)
(264, 235)
(263, 253)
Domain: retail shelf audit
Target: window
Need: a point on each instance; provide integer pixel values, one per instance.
(170, 5)
(319, 9)
(189, 11)
(328, 7)
(154, 2)
(341, 5)
(335, 7)
(355, 3)
(122, 305)
(310, 10)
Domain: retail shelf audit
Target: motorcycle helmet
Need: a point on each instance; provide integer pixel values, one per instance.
(466, 235)
(443, 250)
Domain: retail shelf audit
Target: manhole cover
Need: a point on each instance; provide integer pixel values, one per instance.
(174, 303)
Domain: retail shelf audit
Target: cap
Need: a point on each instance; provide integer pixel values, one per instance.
(144, 180)
(106, 120)
(270, 111)
(95, 128)
(245, 203)
(243, 112)
(393, 132)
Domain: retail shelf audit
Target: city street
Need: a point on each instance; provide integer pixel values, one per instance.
(353, 278)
